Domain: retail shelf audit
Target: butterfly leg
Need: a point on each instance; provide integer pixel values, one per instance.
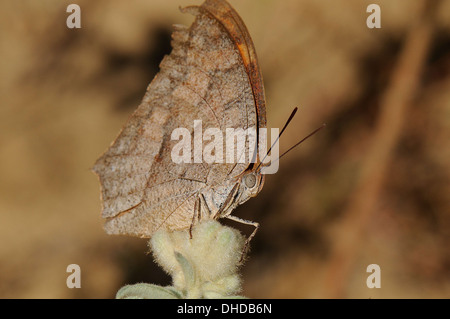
(205, 208)
(246, 222)
(199, 212)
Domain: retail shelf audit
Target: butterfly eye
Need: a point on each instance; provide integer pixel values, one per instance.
(250, 180)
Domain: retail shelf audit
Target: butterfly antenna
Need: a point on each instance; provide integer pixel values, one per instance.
(302, 140)
(282, 130)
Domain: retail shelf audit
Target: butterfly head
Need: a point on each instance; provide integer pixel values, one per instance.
(252, 182)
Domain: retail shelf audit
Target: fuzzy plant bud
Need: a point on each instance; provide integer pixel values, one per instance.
(202, 266)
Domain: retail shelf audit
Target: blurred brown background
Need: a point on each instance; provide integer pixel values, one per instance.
(373, 187)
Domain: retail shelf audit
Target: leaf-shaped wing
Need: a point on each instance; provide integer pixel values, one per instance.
(204, 78)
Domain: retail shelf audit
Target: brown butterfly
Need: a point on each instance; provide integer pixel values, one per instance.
(212, 74)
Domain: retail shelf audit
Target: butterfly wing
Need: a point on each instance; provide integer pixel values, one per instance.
(224, 13)
(206, 78)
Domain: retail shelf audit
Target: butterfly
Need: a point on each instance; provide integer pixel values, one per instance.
(212, 74)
